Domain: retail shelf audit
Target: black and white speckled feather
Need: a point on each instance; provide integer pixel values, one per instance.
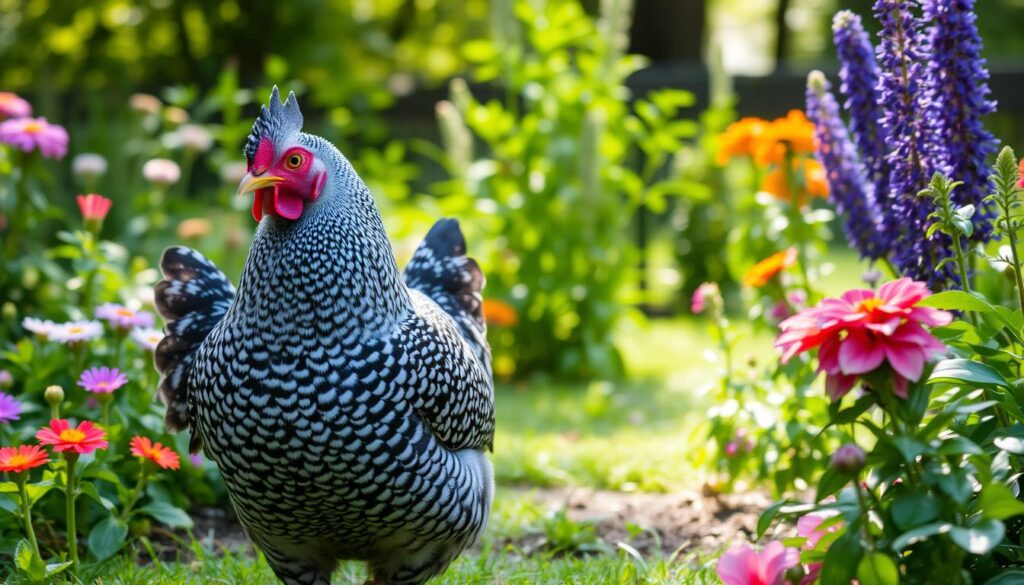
(347, 410)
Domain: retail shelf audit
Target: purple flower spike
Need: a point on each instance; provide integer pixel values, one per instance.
(849, 189)
(859, 76)
(102, 380)
(958, 79)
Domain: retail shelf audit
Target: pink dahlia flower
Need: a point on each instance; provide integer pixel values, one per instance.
(12, 106)
(28, 134)
(862, 330)
(743, 565)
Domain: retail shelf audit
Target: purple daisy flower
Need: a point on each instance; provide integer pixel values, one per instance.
(39, 327)
(10, 408)
(102, 380)
(28, 134)
(122, 317)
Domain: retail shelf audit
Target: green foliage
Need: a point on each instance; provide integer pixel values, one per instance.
(556, 180)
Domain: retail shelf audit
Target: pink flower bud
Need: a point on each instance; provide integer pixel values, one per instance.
(848, 459)
(93, 207)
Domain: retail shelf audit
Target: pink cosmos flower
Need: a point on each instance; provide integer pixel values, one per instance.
(122, 317)
(862, 330)
(93, 207)
(12, 106)
(702, 295)
(102, 380)
(28, 134)
(743, 565)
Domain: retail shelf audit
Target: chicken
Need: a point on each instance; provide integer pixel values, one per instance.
(348, 409)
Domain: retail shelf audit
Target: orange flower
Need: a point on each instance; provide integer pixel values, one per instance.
(762, 273)
(23, 458)
(500, 313)
(86, 438)
(793, 134)
(813, 181)
(739, 138)
(155, 452)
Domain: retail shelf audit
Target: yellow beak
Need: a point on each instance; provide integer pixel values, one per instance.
(250, 183)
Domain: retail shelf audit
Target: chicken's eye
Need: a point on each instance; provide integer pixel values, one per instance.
(294, 161)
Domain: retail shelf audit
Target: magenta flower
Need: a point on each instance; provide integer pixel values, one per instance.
(743, 565)
(10, 408)
(122, 317)
(703, 294)
(28, 134)
(12, 106)
(102, 380)
(809, 527)
(862, 330)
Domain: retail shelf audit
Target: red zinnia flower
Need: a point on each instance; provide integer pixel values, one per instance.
(86, 438)
(23, 458)
(93, 207)
(155, 452)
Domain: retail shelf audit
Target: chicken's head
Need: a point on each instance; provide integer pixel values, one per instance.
(286, 171)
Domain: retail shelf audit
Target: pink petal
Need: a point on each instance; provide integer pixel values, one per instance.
(931, 317)
(776, 559)
(855, 296)
(886, 327)
(838, 385)
(739, 566)
(906, 359)
(859, 354)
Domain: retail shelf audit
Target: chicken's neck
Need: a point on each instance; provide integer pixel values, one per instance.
(329, 272)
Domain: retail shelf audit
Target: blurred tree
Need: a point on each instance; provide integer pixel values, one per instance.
(669, 30)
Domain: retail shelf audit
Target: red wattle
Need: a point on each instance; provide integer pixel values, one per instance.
(287, 204)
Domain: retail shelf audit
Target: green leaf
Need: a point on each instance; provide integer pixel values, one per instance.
(56, 568)
(913, 509)
(959, 446)
(23, 555)
(168, 514)
(842, 559)
(957, 300)
(920, 533)
(107, 537)
(998, 502)
(909, 448)
(89, 489)
(765, 520)
(877, 569)
(831, 482)
(1012, 577)
(962, 370)
(979, 539)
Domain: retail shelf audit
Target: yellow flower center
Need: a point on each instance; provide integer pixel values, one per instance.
(126, 312)
(869, 305)
(17, 460)
(32, 128)
(102, 385)
(76, 329)
(72, 436)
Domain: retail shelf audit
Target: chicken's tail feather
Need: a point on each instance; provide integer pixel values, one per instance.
(193, 298)
(441, 270)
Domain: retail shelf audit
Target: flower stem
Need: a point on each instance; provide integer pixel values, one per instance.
(70, 493)
(1012, 234)
(796, 222)
(136, 493)
(26, 514)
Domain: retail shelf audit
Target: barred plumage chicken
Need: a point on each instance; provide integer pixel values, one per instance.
(347, 408)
